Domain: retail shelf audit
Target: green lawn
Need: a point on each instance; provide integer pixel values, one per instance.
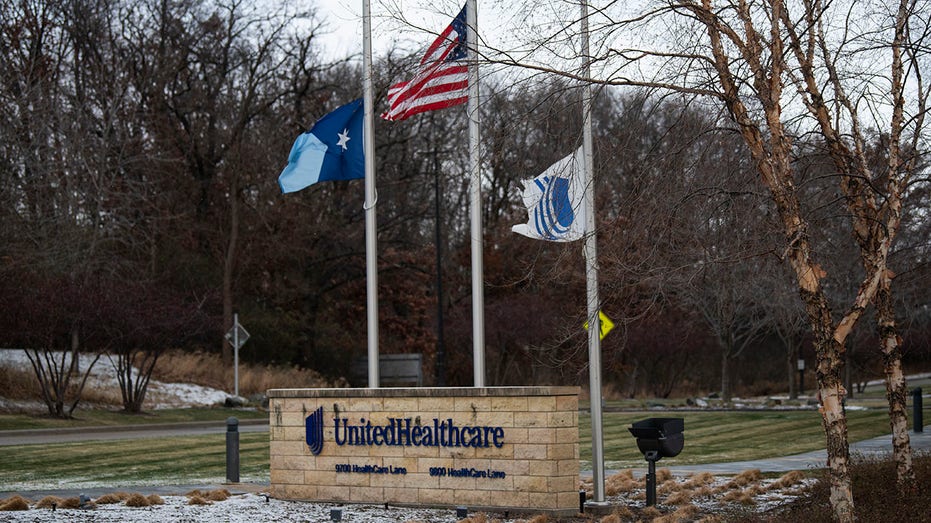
(710, 437)
(722, 436)
(181, 460)
(155, 460)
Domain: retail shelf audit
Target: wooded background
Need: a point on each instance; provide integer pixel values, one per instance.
(140, 144)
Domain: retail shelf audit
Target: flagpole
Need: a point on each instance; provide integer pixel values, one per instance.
(475, 207)
(371, 252)
(591, 274)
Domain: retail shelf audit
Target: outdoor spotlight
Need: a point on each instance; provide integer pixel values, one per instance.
(336, 514)
(657, 438)
(462, 512)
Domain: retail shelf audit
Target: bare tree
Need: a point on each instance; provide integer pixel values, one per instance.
(215, 73)
(788, 322)
(64, 106)
(781, 69)
(140, 321)
(52, 319)
(873, 182)
(728, 237)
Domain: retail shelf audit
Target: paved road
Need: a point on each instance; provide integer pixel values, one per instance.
(161, 430)
(817, 459)
(920, 441)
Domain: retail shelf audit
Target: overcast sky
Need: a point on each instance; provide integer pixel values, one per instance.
(343, 19)
(423, 19)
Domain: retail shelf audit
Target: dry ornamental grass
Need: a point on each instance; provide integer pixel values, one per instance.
(197, 500)
(49, 502)
(698, 497)
(109, 499)
(137, 500)
(14, 503)
(207, 369)
(218, 495)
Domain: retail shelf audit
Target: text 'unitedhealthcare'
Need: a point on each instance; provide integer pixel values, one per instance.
(405, 433)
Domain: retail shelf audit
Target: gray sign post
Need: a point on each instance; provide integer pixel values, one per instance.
(237, 337)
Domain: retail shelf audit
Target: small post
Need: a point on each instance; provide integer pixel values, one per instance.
(917, 418)
(801, 376)
(236, 354)
(232, 450)
(652, 457)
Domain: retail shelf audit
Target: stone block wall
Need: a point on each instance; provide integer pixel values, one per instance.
(504, 448)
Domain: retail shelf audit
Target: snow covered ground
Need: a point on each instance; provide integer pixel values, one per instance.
(251, 507)
(244, 508)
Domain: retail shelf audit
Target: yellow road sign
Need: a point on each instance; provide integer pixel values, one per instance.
(605, 323)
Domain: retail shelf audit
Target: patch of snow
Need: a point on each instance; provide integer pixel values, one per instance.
(175, 395)
(159, 395)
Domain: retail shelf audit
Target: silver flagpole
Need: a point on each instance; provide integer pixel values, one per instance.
(591, 274)
(475, 207)
(371, 253)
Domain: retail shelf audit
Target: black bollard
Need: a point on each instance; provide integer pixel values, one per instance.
(918, 422)
(232, 450)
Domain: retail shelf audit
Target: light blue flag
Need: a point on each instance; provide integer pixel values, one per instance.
(331, 150)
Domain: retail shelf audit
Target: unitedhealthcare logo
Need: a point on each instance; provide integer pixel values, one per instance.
(554, 215)
(314, 428)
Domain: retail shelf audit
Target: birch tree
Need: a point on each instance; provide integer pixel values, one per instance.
(843, 70)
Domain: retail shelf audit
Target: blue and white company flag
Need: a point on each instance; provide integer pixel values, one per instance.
(554, 201)
(331, 150)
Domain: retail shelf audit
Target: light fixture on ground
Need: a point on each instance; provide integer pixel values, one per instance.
(658, 438)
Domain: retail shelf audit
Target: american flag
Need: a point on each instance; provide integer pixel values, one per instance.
(442, 80)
